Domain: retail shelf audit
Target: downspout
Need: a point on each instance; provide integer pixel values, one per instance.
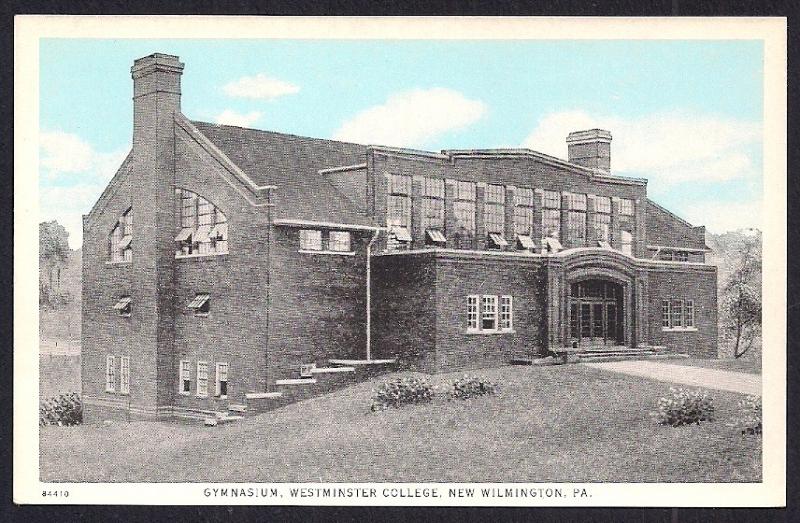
(375, 234)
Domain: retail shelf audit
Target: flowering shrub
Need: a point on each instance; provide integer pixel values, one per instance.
(62, 410)
(471, 387)
(401, 391)
(749, 418)
(684, 407)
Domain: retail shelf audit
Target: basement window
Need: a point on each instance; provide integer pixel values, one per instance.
(123, 306)
(201, 304)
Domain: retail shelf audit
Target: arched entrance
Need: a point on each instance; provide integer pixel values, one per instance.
(596, 313)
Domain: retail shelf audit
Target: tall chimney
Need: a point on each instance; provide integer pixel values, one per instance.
(156, 100)
(591, 148)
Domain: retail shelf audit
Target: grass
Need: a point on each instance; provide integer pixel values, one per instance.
(550, 424)
(59, 374)
(750, 365)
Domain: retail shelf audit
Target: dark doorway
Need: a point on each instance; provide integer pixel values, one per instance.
(595, 313)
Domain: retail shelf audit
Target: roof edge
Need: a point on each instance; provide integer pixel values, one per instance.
(289, 222)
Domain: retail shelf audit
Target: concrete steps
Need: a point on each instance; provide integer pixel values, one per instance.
(600, 354)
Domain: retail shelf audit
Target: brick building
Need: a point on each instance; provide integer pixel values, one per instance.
(220, 259)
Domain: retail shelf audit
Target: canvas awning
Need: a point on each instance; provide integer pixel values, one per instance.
(497, 239)
(436, 236)
(122, 303)
(202, 235)
(525, 241)
(553, 245)
(184, 234)
(124, 242)
(198, 301)
(401, 234)
(604, 244)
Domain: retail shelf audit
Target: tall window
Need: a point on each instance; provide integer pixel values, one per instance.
(489, 313)
(626, 239)
(677, 314)
(204, 228)
(398, 211)
(494, 209)
(464, 212)
(523, 211)
(472, 312)
(602, 218)
(111, 375)
(185, 377)
(432, 204)
(125, 374)
(119, 242)
(576, 221)
(202, 378)
(222, 380)
(506, 315)
(551, 214)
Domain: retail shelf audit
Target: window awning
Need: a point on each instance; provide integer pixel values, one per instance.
(604, 244)
(401, 234)
(220, 230)
(498, 240)
(525, 241)
(122, 303)
(553, 245)
(124, 242)
(202, 234)
(436, 236)
(185, 234)
(198, 301)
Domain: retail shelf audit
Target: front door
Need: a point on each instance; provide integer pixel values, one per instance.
(595, 307)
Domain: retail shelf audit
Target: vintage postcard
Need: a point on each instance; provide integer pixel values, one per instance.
(379, 261)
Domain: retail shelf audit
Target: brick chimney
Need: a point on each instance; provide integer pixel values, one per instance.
(156, 100)
(591, 148)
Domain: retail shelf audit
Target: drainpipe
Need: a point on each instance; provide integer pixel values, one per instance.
(375, 234)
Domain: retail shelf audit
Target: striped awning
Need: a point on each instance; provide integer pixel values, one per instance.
(122, 303)
(198, 301)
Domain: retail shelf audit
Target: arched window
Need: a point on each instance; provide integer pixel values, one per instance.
(119, 241)
(203, 227)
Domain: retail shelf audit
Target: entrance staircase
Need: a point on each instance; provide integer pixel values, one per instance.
(303, 384)
(621, 353)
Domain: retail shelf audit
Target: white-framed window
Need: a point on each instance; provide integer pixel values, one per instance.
(111, 374)
(432, 215)
(310, 240)
(185, 377)
(626, 240)
(473, 315)
(523, 211)
(125, 374)
(221, 375)
(506, 313)
(121, 238)
(488, 313)
(494, 209)
(626, 207)
(203, 226)
(678, 314)
(339, 241)
(202, 378)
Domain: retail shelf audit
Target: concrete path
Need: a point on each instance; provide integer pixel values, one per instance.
(686, 375)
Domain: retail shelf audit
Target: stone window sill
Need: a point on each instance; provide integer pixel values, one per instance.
(123, 262)
(678, 329)
(488, 332)
(203, 255)
(336, 253)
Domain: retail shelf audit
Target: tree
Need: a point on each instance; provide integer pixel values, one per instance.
(741, 296)
(53, 254)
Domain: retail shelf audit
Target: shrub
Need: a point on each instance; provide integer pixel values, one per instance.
(748, 420)
(401, 391)
(62, 410)
(471, 387)
(684, 407)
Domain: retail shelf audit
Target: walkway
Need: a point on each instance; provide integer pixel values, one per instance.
(685, 375)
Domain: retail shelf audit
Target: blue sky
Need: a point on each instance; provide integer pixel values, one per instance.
(687, 115)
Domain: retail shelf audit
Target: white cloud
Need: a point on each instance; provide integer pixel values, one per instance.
(412, 118)
(259, 86)
(666, 148)
(229, 117)
(72, 175)
(720, 217)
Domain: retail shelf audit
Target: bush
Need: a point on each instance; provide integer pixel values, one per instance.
(472, 387)
(684, 407)
(62, 410)
(748, 420)
(401, 391)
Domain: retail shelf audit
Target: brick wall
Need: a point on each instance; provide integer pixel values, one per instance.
(665, 229)
(695, 283)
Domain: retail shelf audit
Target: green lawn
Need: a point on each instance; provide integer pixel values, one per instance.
(750, 366)
(550, 424)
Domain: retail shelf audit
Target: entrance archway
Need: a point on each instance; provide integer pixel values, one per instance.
(596, 313)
